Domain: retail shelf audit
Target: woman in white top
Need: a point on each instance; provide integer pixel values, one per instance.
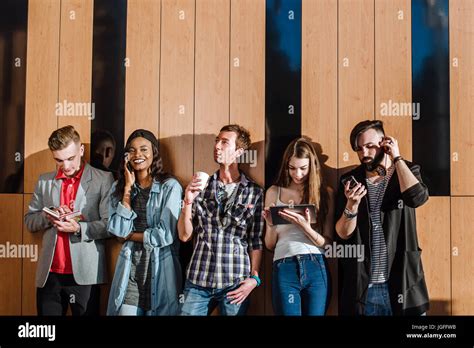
(300, 283)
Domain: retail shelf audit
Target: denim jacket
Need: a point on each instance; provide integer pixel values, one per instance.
(162, 212)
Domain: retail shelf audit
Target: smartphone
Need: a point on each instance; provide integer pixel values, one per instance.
(385, 148)
(300, 209)
(129, 165)
(353, 182)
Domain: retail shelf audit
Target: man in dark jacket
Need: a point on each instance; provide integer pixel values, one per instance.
(376, 211)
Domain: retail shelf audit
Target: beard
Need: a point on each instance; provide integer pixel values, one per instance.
(374, 163)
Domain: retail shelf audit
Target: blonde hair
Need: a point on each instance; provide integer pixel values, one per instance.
(62, 137)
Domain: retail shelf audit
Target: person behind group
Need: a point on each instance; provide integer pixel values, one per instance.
(144, 209)
(72, 258)
(300, 279)
(226, 219)
(377, 213)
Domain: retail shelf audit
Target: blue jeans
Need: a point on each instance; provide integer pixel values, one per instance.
(378, 300)
(300, 285)
(127, 310)
(202, 301)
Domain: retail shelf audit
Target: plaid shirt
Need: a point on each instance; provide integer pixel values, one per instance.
(223, 240)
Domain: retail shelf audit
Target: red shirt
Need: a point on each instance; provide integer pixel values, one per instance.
(62, 254)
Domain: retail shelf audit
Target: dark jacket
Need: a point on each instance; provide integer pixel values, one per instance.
(407, 287)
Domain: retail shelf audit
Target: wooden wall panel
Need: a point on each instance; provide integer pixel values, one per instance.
(247, 100)
(75, 64)
(177, 88)
(462, 244)
(41, 87)
(319, 94)
(28, 289)
(319, 80)
(142, 81)
(393, 68)
(461, 39)
(356, 72)
(11, 220)
(211, 98)
(433, 223)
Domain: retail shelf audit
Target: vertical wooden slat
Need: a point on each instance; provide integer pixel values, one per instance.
(393, 68)
(142, 81)
(211, 78)
(433, 224)
(319, 94)
(41, 87)
(28, 290)
(247, 98)
(75, 64)
(461, 38)
(356, 72)
(462, 244)
(11, 220)
(177, 88)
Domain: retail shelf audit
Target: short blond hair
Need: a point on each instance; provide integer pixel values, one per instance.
(62, 137)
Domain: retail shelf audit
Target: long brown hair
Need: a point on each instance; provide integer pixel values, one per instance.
(315, 191)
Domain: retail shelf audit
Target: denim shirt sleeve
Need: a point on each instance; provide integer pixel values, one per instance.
(120, 218)
(165, 233)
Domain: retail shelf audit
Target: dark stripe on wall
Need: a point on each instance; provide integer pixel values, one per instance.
(13, 37)
(430, 74)
(282, 81)
(108, 76)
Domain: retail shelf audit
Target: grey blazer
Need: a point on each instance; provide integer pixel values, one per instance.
(87, 251)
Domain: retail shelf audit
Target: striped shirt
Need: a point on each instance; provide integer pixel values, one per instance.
(379, 255)
(223, 240)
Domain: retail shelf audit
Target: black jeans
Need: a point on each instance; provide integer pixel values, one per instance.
(62, 290)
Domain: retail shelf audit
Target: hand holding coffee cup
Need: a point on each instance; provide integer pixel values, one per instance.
(197, 184)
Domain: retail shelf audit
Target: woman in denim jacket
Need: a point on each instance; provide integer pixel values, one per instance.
(144, 210)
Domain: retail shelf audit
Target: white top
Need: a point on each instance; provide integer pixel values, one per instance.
(292, 240)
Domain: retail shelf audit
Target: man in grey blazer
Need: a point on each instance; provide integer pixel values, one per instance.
(72, 258)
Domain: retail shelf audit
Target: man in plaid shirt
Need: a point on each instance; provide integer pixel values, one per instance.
(226, 218)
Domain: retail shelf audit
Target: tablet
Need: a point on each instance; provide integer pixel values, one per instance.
(299, 208)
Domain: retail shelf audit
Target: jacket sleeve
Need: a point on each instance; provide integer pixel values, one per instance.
(34, 219)
(418, 194)
(93, 230)
(120, 218)
(165, 233)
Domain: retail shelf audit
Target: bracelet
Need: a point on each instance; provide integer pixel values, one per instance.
(257, 279)
(187, 202)
(396, 159)
(348, 214)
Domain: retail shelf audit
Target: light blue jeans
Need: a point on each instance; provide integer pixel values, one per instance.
(129, 310)
(201, 301)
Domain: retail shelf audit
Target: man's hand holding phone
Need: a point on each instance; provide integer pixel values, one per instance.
(354, 192)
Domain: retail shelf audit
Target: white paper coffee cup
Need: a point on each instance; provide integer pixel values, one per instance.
(204, 178)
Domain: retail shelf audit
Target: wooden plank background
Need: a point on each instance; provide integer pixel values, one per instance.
(196, 65)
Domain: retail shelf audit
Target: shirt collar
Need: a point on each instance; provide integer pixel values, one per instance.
(61, 176)
(243, 178)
